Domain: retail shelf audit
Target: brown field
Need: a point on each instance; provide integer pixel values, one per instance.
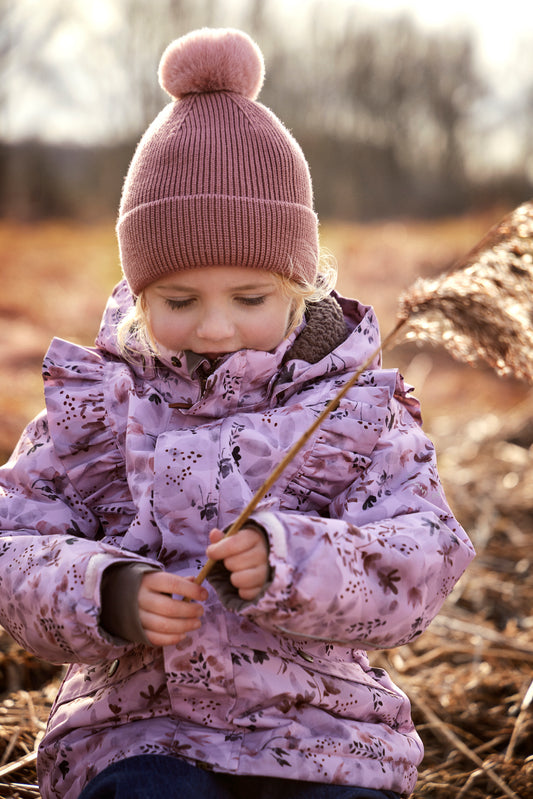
(469, 674)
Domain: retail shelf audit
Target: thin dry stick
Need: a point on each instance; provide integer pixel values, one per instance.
(479, 630)
(40, 725)
(27, 789)
(282, 465)
(25, 760)
(10, 746)
(470, 781)
(520, 720)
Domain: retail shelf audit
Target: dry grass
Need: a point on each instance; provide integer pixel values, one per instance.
(482, 308)
(468, 675)
(55, 280)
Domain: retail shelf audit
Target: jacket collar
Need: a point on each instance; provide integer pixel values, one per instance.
(337, 336)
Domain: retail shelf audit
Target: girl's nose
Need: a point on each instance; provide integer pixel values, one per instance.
(215, 325)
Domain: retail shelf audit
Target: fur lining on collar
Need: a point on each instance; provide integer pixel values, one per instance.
(325, 329)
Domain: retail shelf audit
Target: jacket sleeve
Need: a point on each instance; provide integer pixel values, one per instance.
(52, 549)
(373, 570)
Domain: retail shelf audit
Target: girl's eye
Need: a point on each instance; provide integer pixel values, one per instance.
(175, 305)
(252, 300)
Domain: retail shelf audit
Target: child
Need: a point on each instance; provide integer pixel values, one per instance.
(216, 352)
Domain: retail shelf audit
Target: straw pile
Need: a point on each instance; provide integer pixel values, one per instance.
(468, 677)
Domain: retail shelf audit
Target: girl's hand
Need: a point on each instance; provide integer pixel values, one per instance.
(166, 620)
(245, 555)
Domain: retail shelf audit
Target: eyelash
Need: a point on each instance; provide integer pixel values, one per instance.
(176, 305)
(252, 300)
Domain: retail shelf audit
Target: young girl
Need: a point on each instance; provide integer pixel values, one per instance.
(217, 350)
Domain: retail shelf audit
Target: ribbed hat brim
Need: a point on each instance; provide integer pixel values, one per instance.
(181, 233)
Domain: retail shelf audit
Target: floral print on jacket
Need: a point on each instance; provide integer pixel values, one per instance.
(363, 550)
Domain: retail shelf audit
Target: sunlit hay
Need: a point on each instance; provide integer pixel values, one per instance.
(482, 309)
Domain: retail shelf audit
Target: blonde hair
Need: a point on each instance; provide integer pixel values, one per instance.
(134, 328)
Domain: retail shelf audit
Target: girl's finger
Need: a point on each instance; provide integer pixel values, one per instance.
(165, 639)
(250, 559)
(164, 605)
(216, 535)
(163, 625)
(243, 541)
(171, 584)
(249, 578)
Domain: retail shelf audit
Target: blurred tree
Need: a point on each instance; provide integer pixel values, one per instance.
(130, 50)
(25, 36)
(384, 110)
(413, 92)
(132, 98)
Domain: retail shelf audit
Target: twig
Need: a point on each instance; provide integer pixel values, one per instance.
(23, 761)
(282, 465)
(524, 708)
(471, 628)
(25, 786)
(26, 789)
(10, 746)
(437, 785)
(33, 715)
(470, 781)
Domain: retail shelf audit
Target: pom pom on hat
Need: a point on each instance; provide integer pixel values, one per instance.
(210, 60)
(217, 179)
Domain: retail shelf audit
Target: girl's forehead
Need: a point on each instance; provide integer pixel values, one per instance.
(219, 278)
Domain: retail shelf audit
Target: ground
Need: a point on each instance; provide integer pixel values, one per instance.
(468, 676)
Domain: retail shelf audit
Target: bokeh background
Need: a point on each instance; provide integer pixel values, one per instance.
(402, 107)
(416, 119)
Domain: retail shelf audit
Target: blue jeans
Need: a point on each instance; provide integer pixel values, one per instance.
(162, 777)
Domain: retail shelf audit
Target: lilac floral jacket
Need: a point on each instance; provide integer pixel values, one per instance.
(363, 549)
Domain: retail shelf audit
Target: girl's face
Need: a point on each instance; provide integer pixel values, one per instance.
(217, 310)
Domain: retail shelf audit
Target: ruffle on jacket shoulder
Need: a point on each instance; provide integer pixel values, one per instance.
(343, 448)
(87, 405)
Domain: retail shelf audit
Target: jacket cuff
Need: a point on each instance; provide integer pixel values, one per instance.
(119, 615)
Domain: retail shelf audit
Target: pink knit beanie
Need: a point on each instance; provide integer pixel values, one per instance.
(216, 180)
